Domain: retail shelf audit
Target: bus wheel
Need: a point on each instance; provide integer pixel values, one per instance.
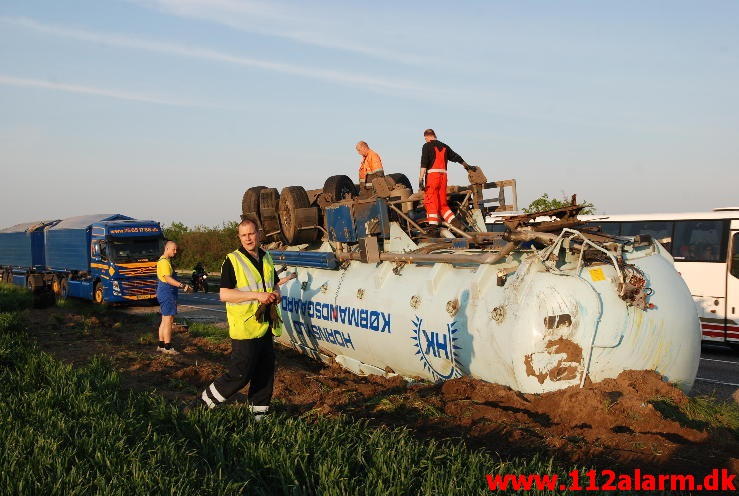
(97, 294)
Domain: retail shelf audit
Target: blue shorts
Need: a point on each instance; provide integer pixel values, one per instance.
(167, 296)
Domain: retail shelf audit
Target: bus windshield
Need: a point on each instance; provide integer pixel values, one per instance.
(145, 249)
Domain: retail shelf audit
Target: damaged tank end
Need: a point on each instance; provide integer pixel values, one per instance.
(539, 307)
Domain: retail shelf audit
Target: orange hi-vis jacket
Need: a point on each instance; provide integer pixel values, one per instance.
(370, 164)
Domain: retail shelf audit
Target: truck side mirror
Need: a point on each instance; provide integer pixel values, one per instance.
(96, 249)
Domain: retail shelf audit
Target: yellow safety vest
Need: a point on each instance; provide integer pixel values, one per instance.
(242, 321)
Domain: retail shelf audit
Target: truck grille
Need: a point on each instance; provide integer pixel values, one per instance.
(137, 271)
(138, 287)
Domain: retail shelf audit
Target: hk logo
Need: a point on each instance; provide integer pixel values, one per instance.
(437, 350)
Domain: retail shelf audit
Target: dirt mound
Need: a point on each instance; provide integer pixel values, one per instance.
(634, 420)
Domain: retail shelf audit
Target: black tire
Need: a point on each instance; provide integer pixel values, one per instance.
(97, 294)
(336, 188)
(269, 204)
(399, 178)
(250, 201)
(205, 287)
(291, 199)
(63, 289)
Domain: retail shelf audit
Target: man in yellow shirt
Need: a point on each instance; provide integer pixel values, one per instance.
(167, 288)
(370, 167)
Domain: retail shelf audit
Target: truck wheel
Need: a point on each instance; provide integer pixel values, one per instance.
(399, 178)
(63, 289)
(293, 198)
(269, 204)
(56, 286)
(97, 294)
(250, 201)
(336, 188)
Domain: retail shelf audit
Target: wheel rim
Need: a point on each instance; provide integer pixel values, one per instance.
(99, 294)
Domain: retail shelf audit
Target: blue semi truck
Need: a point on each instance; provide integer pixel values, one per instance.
(103, 257)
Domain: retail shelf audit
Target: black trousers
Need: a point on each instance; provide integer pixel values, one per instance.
(253, 363)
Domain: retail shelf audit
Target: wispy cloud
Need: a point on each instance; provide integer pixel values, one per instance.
(301, 23)
(169, 48)
(90, 90)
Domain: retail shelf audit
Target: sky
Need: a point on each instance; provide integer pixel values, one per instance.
(171, 109)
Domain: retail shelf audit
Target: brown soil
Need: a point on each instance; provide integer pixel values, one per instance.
(631, 421)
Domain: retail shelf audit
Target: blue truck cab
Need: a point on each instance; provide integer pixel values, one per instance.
(102, 257)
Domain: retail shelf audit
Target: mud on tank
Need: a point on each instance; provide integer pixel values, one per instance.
(539, 307)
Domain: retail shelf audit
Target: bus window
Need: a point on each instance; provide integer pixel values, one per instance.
(610, 228)
(659, 230)
(699, 241)
(735, 256)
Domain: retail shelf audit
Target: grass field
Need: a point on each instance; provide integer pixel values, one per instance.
(74, 431)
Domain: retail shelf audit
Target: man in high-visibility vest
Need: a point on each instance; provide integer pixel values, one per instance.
(249, 287)
(432, 179)
(370, 167)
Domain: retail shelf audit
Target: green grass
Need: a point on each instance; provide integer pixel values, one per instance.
(208, 331)
(701, 412)
(14, 298)
(75, 431)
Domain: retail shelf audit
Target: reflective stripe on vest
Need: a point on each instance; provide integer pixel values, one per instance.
(242, 322)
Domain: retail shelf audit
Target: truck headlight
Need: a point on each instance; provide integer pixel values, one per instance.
(116, 287)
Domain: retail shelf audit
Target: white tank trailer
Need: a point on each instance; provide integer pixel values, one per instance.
(539, 307)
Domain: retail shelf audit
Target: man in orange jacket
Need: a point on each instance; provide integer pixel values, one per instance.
(370, 167)
(432, 179)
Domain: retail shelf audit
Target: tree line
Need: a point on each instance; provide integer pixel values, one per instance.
(208, 245)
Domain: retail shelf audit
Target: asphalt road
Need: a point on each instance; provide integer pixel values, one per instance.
(718, 373)
(205, 306)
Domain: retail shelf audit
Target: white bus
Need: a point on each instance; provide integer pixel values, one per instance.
(705, 247)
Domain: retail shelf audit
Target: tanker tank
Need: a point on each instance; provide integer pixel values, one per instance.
(542, 306)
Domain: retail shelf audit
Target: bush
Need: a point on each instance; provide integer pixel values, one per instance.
(208, 245)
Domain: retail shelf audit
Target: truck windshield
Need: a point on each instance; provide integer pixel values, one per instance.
(135, 249)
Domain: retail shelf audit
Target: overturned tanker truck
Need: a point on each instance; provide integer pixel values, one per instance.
(542, 306)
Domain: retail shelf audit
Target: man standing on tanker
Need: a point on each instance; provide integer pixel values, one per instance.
(371, 165)
(432, 178)
(249, 287)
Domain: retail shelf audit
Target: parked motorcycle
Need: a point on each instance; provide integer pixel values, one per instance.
(199, 279)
